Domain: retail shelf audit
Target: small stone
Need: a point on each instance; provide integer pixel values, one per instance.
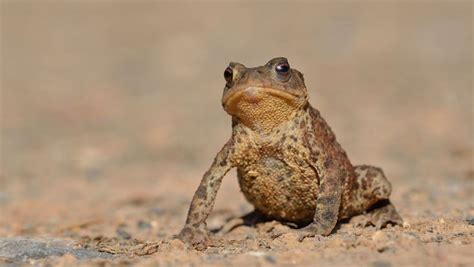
(336, 242)
(123, 234)
(250, 235)
(4, 198)
(379, 236)
(288, 237)
(406, 224)
(277, 230)
(157, 211)
(470, 220)
(91, 160)
(381, 264)
(442, 221)
(176, 244)
(154, 224)
(458, 234)
(380, 239)
(142, 225)
(270, 259)
(409, 240)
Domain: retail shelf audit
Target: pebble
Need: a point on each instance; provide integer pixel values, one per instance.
(270, 259)
(154, 224)
(280, 227)
(379, 236)
(123, 234)
(336, 242)
(176, 244)
(409, 240)
(406, 224)
(380, 239)
(288, 237)
(470, 220)
(142, 225)
(4, 198)
(381, 264)
(257, 253)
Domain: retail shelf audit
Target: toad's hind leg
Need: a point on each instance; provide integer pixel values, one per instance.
(370, 193)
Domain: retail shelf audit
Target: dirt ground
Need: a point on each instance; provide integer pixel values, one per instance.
(110, 114)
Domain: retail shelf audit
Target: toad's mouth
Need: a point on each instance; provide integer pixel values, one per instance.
(256, 96)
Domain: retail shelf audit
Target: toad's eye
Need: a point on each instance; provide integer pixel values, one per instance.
(282, 68)
(228, 74)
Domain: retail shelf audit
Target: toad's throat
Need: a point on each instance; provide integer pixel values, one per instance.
(262, 108)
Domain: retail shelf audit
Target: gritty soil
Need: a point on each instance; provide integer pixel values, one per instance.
(111, 114)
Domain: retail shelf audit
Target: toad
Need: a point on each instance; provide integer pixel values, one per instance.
(289, 164)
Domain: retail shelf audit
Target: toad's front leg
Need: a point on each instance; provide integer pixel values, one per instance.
(194, 231)
(327, 203)
(332, 167)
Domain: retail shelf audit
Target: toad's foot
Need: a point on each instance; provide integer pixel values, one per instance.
(311, 230)
(195, 236)
(230, 225)
(250, 219)
(380, 215)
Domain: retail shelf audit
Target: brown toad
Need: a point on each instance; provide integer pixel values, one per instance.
(289, 164)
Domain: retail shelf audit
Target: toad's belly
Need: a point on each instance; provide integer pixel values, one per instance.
(279, 190)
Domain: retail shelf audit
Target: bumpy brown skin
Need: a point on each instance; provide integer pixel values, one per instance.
(289, 164)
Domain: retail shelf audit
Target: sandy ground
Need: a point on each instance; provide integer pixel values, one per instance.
(111, 114)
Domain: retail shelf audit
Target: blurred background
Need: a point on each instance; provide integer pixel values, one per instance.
(111, 107)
